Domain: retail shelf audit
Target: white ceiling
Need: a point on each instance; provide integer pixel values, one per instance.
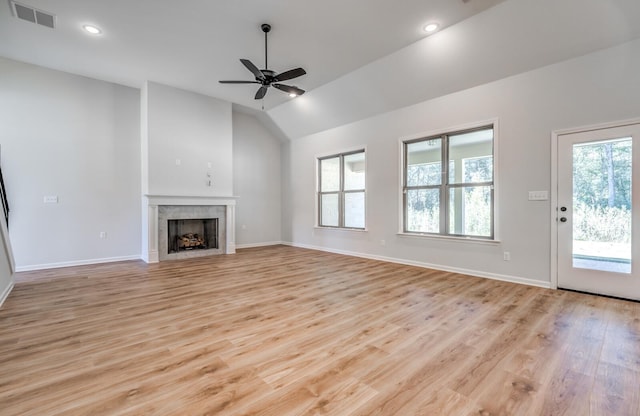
(363, 57)
(193, 44)
(510, 38)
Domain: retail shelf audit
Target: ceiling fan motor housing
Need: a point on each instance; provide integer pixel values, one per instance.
(269, 76)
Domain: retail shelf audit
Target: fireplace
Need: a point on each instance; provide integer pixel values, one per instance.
(193, 234)
(179, 227)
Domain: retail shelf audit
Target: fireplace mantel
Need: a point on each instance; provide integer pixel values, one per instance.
(150, 204)
(189, 200)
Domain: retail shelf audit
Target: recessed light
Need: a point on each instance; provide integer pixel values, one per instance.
(292, 95)
(431, 27)
(92, 29)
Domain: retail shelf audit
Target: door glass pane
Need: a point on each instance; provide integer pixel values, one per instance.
(329, 210)
(602, 205)
(354, 171)
(354, 210)
(470, 211)
(471, 155)
(423, 210)
(424, 165)
(330, 174)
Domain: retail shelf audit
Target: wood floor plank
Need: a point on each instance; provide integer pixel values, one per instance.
(612, 394)
(283, 331)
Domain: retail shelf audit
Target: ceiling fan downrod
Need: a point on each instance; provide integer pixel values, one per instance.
(266, 28)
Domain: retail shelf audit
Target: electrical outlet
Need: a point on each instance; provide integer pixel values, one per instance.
(506, 256)
(383, 243)
(103, 234)
(51, 199)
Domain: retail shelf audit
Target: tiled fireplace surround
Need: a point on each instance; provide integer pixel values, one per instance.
(161, 208)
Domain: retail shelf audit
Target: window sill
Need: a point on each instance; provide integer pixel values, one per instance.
(357, 230)
(450, 238)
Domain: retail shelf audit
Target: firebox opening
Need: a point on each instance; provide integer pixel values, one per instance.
(192, 234)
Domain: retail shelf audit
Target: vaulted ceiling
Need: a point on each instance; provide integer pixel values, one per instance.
(362, 57)
(510, 38)
(192, 44)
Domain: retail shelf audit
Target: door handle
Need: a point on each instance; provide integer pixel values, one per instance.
(563, 209)
(563, 219)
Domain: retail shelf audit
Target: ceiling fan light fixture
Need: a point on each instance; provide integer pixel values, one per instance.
(431, 27)
(293, 95)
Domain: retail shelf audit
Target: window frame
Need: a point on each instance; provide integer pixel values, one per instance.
(444, 187)
(340, 192)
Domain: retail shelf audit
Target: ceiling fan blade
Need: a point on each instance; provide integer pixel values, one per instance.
(239, 82)
(290, 74)
(254, 69)
(261, 92)
(288, 89)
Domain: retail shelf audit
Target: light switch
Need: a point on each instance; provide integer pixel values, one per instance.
(51, 199)
(538, 195)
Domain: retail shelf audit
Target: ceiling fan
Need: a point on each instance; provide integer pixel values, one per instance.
(268, 78)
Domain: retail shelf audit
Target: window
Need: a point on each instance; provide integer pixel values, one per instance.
(341, 184)
(453, 198)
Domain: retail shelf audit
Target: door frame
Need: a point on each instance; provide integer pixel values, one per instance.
(555, 137)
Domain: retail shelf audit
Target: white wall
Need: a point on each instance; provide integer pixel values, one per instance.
(256, 181)
(190, 127)
(287, 191)
(599, 87)
(78, 139)
(7, 265)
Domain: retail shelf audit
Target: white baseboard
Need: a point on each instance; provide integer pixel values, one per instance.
(153, 259)
(267, 243)
(76, 263)
(5, 293)
(476, 273)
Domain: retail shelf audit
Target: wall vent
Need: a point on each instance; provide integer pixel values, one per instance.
(33, 15)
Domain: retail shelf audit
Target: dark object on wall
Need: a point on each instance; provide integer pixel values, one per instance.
(267, 77)
(5, 202)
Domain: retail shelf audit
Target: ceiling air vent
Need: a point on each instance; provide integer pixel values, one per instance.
(33, 15)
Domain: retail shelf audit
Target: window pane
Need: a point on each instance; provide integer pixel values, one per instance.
(354, 210)
(470, 211)
(354, 171)
(452, 169)
(423, 210)
(329, 210)
(471, 155)
(330, 174)
(424, 162)
(602, 205)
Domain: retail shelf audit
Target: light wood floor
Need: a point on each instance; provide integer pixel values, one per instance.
(284, 331)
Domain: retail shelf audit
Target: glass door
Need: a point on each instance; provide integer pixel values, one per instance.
(597, 211)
